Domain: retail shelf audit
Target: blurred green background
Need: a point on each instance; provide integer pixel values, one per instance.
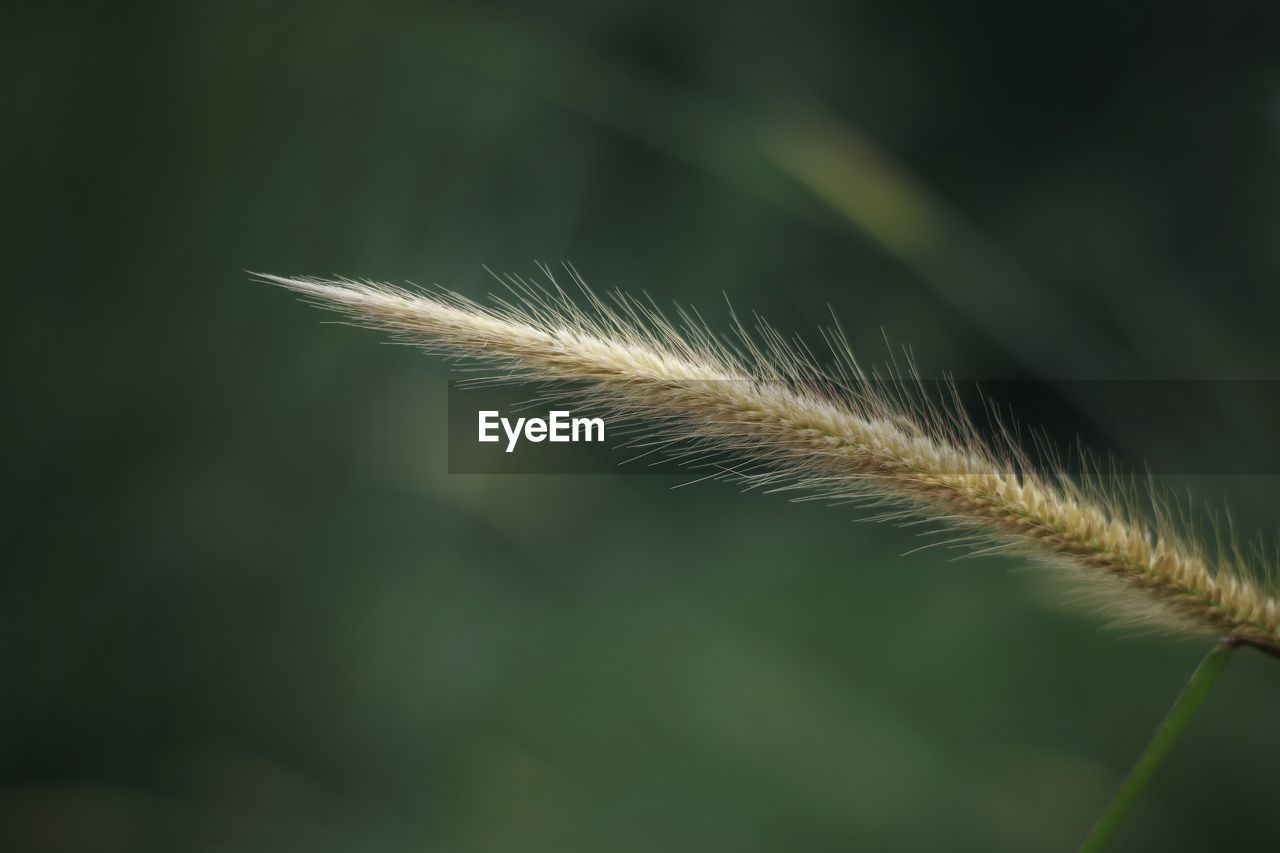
(246, 608)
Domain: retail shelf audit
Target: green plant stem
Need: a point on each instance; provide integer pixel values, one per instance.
(1175, 722)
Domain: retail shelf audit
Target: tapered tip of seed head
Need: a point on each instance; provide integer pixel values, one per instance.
(321, 288)
(340, 294)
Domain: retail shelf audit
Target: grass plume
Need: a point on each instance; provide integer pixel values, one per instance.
(833, 432)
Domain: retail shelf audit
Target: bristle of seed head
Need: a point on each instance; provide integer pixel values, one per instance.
(831, 433)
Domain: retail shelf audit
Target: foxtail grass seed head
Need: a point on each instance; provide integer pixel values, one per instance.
(833, 433)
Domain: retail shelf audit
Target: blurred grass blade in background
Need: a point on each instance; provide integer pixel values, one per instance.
(1174, 724)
